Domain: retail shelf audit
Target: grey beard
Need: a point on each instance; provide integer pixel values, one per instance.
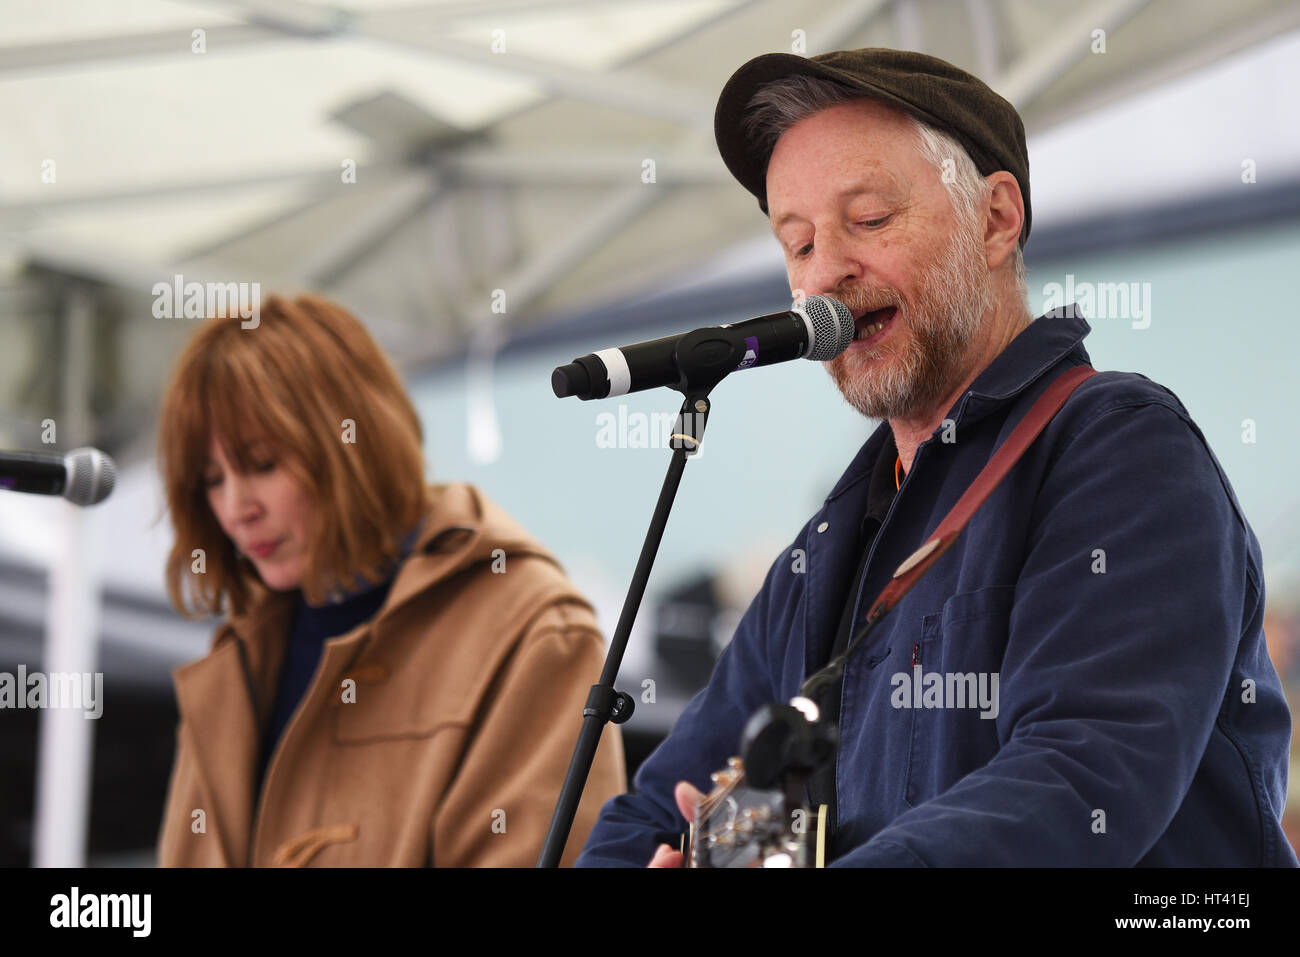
(954, 294)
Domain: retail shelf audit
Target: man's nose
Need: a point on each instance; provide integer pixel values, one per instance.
(831, 263)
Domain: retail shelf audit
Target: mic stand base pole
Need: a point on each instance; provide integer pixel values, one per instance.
(604, 703)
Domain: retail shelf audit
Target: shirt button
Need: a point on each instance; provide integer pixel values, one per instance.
(823, 526)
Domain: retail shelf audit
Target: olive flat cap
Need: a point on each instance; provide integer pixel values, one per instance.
(931, 89)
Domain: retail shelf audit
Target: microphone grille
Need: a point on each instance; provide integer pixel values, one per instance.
(91, 475)
(830, 325)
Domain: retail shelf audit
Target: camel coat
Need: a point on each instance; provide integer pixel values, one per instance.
(437, 733)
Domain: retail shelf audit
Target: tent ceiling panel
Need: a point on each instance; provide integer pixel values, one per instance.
(496, 143)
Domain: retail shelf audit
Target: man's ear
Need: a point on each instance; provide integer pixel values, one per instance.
(1006, 217)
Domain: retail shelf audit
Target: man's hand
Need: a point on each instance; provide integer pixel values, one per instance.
(687, 797)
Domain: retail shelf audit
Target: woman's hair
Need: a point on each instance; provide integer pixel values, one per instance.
(310, 382)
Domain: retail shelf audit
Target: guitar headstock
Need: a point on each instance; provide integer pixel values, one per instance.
(737, 825)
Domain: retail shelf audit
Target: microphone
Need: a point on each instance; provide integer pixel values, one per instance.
(784, 739)
(83, 476)
(818, 328)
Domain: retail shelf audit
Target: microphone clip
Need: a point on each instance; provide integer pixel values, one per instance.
(703, 358)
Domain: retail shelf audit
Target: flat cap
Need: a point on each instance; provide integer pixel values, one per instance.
(931, 89)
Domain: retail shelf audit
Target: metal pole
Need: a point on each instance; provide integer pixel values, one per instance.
(66, 747)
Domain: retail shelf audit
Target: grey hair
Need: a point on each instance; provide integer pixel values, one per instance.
(782, 103)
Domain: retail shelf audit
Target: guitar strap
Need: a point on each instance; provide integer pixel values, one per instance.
(1008, 453)
(938, 542)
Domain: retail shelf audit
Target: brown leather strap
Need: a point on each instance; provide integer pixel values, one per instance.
(1008, 453)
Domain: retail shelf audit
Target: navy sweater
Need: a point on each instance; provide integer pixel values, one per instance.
(312, 626)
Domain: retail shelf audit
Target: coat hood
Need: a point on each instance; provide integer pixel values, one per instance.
(462, 529)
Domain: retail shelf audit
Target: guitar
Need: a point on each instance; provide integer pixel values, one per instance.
(755, 815)
(737, 825)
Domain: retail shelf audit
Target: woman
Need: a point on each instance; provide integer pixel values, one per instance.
(401, 673)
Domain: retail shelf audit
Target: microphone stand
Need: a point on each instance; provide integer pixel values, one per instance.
(703, 358)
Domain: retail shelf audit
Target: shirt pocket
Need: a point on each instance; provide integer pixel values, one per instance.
(953, 698)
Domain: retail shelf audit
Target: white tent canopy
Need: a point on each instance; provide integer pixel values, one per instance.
(497, 145)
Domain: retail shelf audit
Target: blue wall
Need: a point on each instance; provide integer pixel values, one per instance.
(781, 436)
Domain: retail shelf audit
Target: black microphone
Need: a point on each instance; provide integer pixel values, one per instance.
(818, 328)
(784, 739)
(82, 476)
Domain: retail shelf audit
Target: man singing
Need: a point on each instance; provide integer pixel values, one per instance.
(1107, 598)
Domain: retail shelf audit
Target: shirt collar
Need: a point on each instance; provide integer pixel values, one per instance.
(1043, 343)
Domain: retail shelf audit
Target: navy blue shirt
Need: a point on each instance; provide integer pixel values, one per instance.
(881, 490)
(1112, 586)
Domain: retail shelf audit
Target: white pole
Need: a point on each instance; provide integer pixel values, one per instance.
(67, 735)
(66, 748)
